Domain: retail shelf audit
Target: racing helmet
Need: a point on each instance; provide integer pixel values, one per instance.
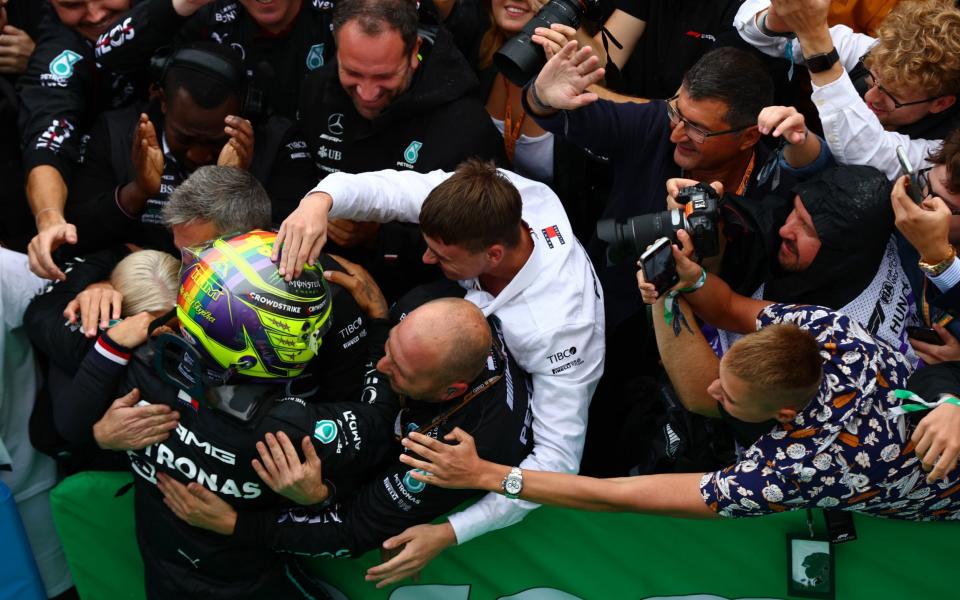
(236, 309)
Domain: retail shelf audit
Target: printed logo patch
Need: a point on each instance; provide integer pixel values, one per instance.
(325, 431)
(62, 65)
(413, 486)
(315, 57)
(412, 153)
(552, 233)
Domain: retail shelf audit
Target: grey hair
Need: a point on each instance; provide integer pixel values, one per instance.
(231, 199)
(148, 280)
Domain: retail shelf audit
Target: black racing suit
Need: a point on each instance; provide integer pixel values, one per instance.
(499, 419)
(277, 62)
(437, 123)
(280, 162)
(215, 450)
(62, 92)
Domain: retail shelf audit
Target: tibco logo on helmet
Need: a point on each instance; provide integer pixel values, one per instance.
(262, 326)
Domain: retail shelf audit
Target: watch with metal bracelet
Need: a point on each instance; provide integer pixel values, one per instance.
(934, 269)
(513, 483)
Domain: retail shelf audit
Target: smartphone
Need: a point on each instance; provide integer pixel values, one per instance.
(924, 334)
(907, 169)
(658, 265)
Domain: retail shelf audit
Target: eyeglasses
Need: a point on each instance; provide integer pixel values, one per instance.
(694, 132)
(923, 180)
(872, 82)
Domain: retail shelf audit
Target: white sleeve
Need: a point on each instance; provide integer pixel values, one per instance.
(380, 196)
(560, 404)
(850, 45)
(855, 135)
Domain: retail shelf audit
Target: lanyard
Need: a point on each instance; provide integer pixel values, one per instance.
(444, 416)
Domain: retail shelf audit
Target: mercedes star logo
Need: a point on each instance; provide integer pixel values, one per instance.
(335, 123)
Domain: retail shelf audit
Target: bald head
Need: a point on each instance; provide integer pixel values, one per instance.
(440, 346)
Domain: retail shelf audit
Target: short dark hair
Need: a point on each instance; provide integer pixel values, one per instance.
(734, 77)
(372, 15)
(949, 155)
(209, 72)
(475, 207)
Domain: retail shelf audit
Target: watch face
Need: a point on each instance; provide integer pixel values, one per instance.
(513, 485)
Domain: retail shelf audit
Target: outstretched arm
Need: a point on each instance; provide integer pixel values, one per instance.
(459, 466)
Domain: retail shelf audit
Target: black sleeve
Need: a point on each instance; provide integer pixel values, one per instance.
(385, 506)
(639, 9)
(64, 344)
(351, 437)
(292, 171)
(94, 388)
(92, 202)
(130, 43)
(55, 95)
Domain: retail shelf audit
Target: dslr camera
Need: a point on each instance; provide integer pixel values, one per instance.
(699, 218)
(520, 59)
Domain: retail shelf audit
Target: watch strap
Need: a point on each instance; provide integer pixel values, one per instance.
(819, 63)
(762, 26)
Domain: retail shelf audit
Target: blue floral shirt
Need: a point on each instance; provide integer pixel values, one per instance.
(844, 450)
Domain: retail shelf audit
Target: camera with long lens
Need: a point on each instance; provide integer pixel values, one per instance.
(699, 218)
(520, 58)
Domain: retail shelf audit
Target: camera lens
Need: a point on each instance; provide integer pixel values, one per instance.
(520, 59)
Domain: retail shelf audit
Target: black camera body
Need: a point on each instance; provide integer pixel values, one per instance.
(520, 59)
(700, 218)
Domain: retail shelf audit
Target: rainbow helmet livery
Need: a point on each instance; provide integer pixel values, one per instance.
(235, 308)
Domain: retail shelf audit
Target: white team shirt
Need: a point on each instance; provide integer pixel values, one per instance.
(551, 312)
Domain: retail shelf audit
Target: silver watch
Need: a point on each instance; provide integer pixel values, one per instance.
(513, 483)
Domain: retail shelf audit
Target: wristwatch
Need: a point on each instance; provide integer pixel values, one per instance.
(513, 483)
(935, 269)
(819, 63)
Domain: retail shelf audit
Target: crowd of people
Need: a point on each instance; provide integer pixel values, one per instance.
(317, 273)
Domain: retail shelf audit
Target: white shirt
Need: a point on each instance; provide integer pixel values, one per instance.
(533, 156)
(853, 133)
(551, 312)
(33, 472)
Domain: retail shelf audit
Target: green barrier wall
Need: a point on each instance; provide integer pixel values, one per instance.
(558, 554)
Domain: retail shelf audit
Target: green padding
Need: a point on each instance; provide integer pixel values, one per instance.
(96, 529)
(558, 554)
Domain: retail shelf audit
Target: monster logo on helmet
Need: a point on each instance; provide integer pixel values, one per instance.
(247, 319)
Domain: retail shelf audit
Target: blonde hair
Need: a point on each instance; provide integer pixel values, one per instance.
(148, 281)
(781, 358)
(918, 47)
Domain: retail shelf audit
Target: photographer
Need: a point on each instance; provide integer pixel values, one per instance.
(708, 132)
(834, 249)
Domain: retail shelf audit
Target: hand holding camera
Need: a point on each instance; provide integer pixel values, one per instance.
(676, 185)
(687, 271)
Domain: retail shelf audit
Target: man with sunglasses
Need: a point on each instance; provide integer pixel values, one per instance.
(872, 94)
